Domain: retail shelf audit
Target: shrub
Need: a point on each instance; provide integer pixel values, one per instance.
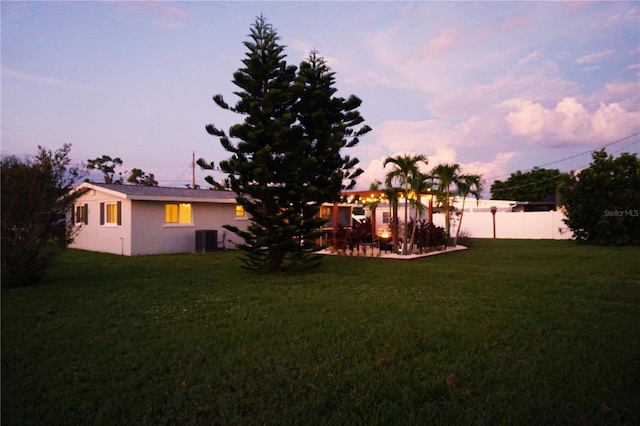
(36, 193)
(429, 236)
(464, 239)
(601, 201)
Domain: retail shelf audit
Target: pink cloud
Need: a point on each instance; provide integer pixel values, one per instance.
(498, 166)
(516, 23)
(408, 8)
(594, 57)
(41, 79)
(627, 95)
(569, 122)
(160, 14)
(439, 44)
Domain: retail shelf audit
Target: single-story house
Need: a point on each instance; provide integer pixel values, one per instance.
(138, 220)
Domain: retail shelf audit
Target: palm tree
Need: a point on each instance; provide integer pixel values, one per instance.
(447, 175)
(406, 168)
(375, 186)
(392, 196)
(467, 185)
(419, 184)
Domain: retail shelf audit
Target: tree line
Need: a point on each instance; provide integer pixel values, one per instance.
(107, 166)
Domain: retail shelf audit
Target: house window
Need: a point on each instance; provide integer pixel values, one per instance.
(239, 211)
(385, 217)
(111, 213)
(325, 212)
(177, 213)
(82, 214)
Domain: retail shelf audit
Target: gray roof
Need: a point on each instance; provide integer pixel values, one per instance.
(160, 193)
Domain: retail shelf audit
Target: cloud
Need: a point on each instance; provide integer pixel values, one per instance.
(440, 44)
(627, 95)
(302, 50)
(33, 78)
(491, 170)
(569, 122)
(41, 79)
(526, 118)
(408, 8)
(496, 167)
(530, 58)
(440, 144)
(426, 137)
(530, 103)
(532, 76)
(594, 57)
(631, 14)
(158, 14)
(517, 23)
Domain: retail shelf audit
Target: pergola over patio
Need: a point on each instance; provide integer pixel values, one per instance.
(371, 196)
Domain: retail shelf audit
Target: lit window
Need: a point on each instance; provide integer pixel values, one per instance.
(239, 211)
(325, 212)
(177, 213)
(112, 213)
(171, 213)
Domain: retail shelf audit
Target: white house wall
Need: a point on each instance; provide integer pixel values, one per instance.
(151, 235)
(103, 238)
(143, 229)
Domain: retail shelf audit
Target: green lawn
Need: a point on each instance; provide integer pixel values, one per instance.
(520, 332)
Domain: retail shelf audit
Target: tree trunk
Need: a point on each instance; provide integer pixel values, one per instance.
(455, 241)
(405, 243)
(394, 227)
(413, 231)
(447, 221)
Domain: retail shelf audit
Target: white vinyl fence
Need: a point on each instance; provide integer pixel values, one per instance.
(525, 225)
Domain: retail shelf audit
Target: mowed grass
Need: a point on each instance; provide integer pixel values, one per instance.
(520, 332)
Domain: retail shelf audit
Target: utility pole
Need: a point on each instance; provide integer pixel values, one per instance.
(193, 170)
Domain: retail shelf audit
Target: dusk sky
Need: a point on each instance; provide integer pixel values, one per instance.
(494, 86)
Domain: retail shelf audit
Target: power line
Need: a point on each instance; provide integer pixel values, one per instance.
(590, 151)
(626, 146)
(581, 167)
(574, 156)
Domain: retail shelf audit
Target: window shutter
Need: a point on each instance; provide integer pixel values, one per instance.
(101, 213)
(119, 212)
(85, 210)
(73, 215)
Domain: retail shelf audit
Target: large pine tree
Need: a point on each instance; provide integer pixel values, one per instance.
(286, 158)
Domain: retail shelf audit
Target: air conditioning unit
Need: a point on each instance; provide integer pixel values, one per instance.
(206, 240)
